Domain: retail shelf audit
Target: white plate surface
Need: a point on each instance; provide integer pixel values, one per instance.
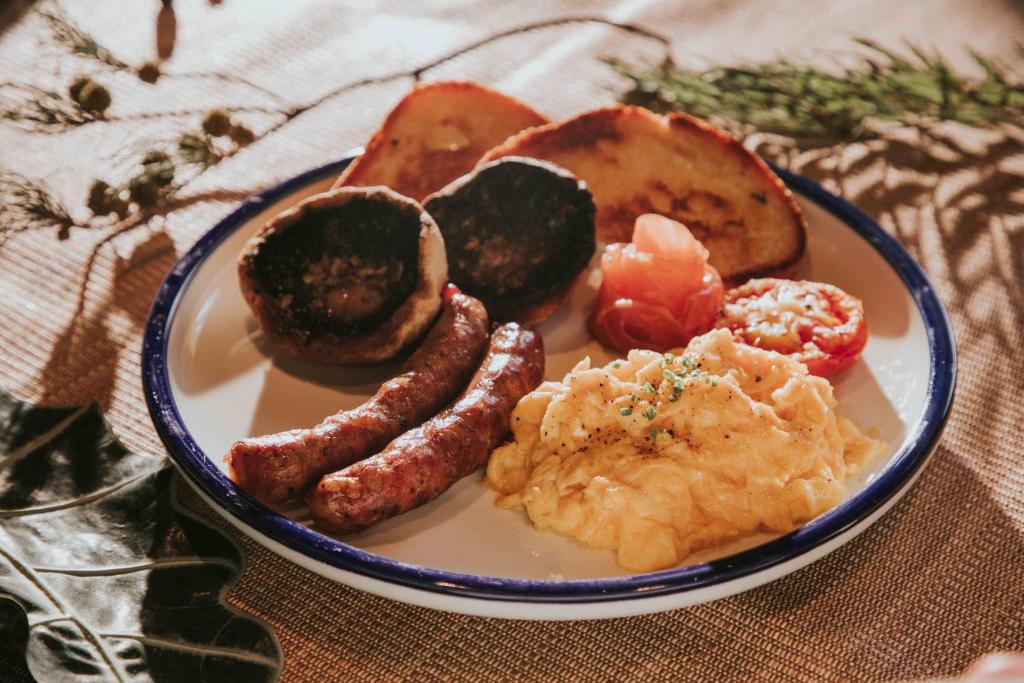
(227, 384)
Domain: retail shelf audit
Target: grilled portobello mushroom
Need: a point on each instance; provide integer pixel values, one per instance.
(436, 133)
(350, 276)
(517, 233)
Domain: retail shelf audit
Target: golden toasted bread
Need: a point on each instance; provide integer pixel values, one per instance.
(637, 162)
(435, 134)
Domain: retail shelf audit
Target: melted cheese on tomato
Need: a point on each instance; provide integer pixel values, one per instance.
(656, 456)
(783, 312)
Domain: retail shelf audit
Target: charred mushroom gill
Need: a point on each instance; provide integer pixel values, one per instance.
(348, 276)
(517, 232)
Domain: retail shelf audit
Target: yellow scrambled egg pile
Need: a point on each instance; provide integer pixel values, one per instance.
(656, 456)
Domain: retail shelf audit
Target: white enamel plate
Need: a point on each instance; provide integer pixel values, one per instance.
(211, 380)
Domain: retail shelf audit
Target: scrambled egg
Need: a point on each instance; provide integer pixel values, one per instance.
(656, 456)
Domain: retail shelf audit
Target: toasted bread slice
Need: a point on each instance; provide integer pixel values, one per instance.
(435, 134)
(637, 162)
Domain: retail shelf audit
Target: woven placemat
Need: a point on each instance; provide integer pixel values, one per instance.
(933, 585)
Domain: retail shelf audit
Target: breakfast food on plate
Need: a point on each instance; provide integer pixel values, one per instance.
(281, 466)
(637, 162)
(517, 233)
(656, 456)
(347, 276)
(424, 462)
(435, 134)
(658, 291)
(818, 324)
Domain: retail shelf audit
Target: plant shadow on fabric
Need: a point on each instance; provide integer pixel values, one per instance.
(947, 201)
(85, 353)
(11, 11)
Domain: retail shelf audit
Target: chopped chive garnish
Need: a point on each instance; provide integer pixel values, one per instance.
(627, 411)
(670, 376)
(633, 397)
(648, 387)
(687, 363)
(673, 398)
(651, 413)
(714, 382)
(677, 388)
(616, 365)
(654, 432)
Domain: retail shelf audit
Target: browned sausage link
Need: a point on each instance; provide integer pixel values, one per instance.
(422, 463)
(277, 467)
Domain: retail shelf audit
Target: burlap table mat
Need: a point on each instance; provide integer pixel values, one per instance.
(936, 583)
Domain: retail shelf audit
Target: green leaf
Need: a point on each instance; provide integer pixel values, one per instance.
(112, 580)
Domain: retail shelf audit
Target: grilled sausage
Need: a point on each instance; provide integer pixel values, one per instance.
(277, 467)
(422, 463)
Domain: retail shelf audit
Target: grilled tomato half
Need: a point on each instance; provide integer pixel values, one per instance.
(818, 324)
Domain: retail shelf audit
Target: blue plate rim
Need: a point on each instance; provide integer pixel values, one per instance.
(201, 471)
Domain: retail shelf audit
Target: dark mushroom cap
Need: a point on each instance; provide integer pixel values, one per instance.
(517, 232)
(348, 276)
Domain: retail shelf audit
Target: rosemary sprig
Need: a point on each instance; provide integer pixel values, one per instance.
(805, 101)
(79, 42)
(27, 206)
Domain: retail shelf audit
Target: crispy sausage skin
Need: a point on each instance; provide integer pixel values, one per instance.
(277, 467)
(422, 463)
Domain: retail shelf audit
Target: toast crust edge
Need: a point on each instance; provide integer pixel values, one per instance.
(376, 147)
(597, 123)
